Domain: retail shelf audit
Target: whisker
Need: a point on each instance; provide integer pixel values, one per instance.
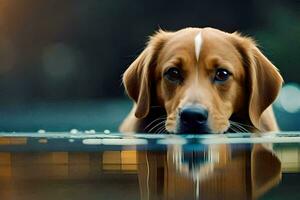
(240, 127)
(232, 128)
(243, 129)
(160, 129)
(245, 125)
(157, 125)
(155, 120)
(163, 131)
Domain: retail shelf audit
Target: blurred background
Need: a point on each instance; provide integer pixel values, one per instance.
(61, 61)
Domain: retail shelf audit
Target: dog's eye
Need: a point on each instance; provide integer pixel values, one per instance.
(173, 74)
(222, 75)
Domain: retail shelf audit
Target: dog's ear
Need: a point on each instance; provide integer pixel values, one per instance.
(263, 78)
(137, 78)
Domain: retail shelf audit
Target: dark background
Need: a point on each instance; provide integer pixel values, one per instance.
(61, 61)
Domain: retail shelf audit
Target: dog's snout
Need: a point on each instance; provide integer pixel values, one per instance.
(193, 115)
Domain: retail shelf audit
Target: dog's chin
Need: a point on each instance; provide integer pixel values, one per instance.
(180, 129)
(190, 129)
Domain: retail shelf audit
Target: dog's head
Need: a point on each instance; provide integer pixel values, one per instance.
(202, 78)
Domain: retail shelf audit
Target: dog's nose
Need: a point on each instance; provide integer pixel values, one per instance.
(193, 119)
(193, 115)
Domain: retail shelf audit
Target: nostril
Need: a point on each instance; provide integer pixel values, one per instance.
(193, 115)
(201, 117)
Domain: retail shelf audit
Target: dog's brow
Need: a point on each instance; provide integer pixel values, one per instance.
(198, 44)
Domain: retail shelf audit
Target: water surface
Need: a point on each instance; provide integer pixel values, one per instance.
(116, 166)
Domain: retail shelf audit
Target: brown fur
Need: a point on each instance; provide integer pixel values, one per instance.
(245, 98)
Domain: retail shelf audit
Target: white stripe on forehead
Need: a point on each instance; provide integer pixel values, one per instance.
(198, 44)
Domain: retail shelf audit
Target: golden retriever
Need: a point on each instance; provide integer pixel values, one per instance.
(201, 80)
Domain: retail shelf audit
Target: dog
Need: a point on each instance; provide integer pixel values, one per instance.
(201, 80)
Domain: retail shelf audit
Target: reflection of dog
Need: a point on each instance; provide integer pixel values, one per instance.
(201, 80)
(228, 174)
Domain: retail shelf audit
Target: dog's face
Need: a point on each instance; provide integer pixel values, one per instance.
(201, 78)
(200, 81)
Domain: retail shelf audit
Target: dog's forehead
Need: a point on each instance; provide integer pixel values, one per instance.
(197, 42)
